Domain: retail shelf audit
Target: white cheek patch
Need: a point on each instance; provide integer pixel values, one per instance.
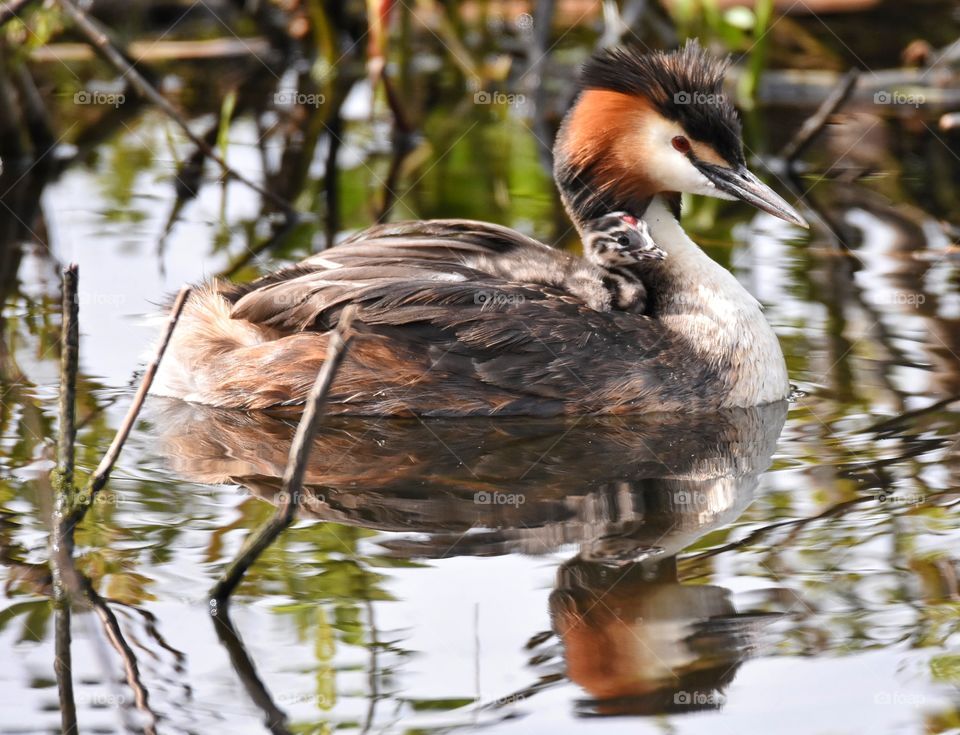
(671, 169)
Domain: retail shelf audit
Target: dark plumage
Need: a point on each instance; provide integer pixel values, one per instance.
(436, 334)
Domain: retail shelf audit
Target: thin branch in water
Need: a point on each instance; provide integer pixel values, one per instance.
(61, 540)
(69, 508)
(131, 667)
(293, 475)
(62, 663)
(69, 366)
(102, 43)
(816, 122)
(797, 524)
(84, 595)
(888, 427)
(275, 718)
(102, 473)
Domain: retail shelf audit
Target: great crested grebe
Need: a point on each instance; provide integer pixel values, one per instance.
(455, 317)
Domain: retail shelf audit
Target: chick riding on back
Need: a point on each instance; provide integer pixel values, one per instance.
(618, 242)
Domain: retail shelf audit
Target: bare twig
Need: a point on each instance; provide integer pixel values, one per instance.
(814, 124)
(331, 183)
(61, 541)
(102, 43)
(807, 88)
(797, 524)
(131, 667)
(62, 663)
(102, 473)
(84, 595)
(275, 718)
(69, 362)
(69, 508)
(887, 426)
(289, 497)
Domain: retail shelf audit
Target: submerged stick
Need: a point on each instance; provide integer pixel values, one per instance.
(69, 508)
(815, 123)
(258, 541)
(61, 538)
(102, 473)
(114, 635)
(69, 366)
(62, 663)
(275, 718)
(101, 42)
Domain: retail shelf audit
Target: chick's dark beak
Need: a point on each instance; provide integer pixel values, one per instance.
(740, 182)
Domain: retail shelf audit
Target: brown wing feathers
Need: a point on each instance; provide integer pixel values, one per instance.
(426, 342)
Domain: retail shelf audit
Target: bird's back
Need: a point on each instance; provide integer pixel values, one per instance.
(453, 317)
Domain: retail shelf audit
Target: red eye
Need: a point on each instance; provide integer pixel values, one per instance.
(681, 144)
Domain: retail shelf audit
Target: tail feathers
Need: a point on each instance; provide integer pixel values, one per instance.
(205, 335)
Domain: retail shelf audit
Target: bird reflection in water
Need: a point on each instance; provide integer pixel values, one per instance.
(630, 493)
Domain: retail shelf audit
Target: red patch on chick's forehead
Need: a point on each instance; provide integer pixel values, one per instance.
(629, 219)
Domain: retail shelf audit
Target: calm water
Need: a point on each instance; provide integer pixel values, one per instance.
(789, 569)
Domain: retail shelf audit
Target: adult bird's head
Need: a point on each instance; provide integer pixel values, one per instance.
(648, 124)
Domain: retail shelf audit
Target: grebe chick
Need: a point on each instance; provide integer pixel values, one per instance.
(601, 279)
(617, 242)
